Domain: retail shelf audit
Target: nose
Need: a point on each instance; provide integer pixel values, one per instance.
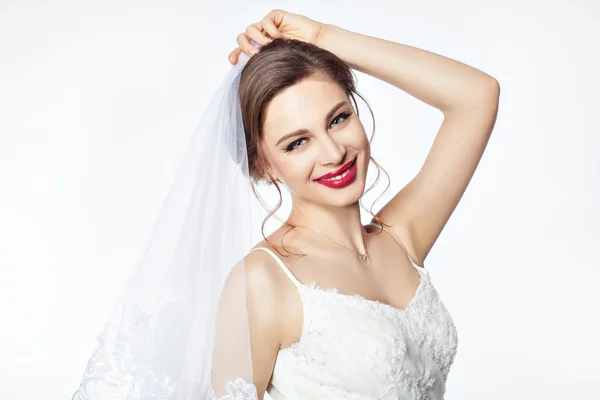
(332, 152)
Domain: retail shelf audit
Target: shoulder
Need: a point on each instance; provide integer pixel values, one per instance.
(404, 236)
(261, 271)
(249, 309)
(263, 288)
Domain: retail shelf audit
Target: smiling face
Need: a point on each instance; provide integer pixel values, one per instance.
(310, 130)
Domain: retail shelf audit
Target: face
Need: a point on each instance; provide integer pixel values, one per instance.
(311, 130)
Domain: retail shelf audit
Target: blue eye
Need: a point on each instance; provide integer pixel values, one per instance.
(292, 146)
(343, 115)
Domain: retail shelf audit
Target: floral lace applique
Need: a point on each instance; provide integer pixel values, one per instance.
(406, 354)
(123, 368)
(117, 369)
(236, 390)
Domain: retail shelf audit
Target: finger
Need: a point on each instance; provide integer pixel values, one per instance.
(276, 16)
(234, 55)
(244, 44)
(255, 32)
(269, 26)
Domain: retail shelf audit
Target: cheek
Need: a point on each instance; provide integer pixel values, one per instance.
(364, 147)
(298, 171)
(359, 136)
(360, 142)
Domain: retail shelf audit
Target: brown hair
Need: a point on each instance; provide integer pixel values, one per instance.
(278, 65)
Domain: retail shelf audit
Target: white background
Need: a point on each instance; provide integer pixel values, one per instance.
(98, 101)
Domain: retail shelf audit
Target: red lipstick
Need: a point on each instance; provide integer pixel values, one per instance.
(350, 173)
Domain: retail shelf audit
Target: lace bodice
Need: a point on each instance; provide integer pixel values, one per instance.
(355, 348)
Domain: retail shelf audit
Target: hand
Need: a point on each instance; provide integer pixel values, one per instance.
(277, 24)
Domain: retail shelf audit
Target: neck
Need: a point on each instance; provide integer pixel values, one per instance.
(341, 224)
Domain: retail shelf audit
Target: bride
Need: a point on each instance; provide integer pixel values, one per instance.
(324, 307)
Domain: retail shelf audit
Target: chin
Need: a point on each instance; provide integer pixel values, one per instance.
(342, 197)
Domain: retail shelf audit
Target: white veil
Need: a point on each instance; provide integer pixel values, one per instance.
(180, 328)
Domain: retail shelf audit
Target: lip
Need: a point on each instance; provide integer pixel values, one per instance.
(343, 182)
(337, 172)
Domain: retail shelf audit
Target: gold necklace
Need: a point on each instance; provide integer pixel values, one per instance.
(361, 257)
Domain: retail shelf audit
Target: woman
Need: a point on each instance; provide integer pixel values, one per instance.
(307, 338)
(324, 307)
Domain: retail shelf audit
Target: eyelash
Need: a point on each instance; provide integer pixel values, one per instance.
(291, 147)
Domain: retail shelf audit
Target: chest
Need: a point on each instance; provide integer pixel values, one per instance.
(397, 353)
(386, 278)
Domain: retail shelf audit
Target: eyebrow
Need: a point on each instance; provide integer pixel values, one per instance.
(303, 130)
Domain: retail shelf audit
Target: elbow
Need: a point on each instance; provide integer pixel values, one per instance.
(493, 86)
(490, 93)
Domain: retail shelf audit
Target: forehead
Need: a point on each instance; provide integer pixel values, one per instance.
(301, 106)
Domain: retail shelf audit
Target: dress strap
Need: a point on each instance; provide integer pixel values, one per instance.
(281, 264)
(401, 245)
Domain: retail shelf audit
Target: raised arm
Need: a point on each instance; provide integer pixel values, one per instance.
(466, 96)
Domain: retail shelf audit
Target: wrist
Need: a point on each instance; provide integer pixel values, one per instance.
(324, 31)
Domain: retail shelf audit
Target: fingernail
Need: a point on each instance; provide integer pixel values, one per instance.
(253, 51)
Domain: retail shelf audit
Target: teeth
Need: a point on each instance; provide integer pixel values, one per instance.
(338, 177)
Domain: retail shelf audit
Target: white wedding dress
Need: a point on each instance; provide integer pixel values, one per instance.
(355, 348)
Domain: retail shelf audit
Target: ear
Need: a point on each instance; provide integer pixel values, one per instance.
(273, 178)
(269, 176)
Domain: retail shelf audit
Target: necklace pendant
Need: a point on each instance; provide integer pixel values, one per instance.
(363, 257)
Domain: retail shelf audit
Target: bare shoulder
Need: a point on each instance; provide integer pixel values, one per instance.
(270, 292)
(248, 307)
(263, 291)
(263, 279)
